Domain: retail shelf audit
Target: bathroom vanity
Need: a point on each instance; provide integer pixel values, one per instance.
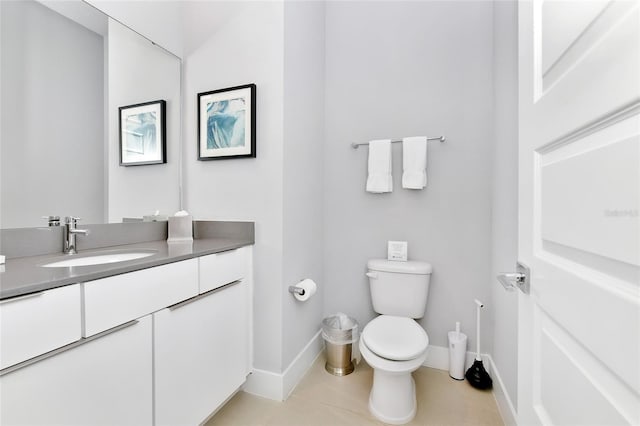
(159, 340)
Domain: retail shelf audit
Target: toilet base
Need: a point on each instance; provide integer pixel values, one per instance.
(393, 397)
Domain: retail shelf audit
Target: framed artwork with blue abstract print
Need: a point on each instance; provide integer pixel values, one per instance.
(143, 134)
(226, 123)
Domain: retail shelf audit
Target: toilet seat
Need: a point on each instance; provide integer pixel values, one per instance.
(395, 338)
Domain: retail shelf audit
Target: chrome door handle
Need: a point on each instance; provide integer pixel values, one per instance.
(17, 298)
(509, 280)
(202, 295)
(520, 279)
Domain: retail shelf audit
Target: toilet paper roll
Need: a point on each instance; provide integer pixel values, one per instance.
(309, 286)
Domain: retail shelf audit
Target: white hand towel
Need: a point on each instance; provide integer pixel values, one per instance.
(414, 162)
(379, 179)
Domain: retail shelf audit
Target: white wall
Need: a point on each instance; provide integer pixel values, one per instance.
(504, 216)
(201, 20)
(390, 69)
(248, 49)
(303, 171)
(281, 190)
(52, 117)
(160, 21)
(135, 191)
(398, 69)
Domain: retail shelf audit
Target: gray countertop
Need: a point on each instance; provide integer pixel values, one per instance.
(24, 275)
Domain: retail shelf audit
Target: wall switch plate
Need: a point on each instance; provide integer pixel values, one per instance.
(397, 250)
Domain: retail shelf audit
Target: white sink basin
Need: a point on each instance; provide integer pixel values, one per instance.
(98, 259)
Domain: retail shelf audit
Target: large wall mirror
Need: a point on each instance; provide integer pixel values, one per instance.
(66, 69)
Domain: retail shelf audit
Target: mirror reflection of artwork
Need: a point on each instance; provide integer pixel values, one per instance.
(226, 121)
(142, 134)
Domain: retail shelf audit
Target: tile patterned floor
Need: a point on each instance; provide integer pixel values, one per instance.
(321, 399)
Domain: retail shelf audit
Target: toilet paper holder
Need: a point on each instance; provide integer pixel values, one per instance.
(303, 290)
(296, 290)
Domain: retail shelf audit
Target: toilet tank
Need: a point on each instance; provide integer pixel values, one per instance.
(399, 288)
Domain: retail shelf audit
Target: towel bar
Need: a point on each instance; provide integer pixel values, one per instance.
(434, 138)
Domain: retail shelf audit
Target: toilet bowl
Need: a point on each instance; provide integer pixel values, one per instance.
(394, 347)
(394, 344)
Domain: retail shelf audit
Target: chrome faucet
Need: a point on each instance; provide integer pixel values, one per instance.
(70, 232)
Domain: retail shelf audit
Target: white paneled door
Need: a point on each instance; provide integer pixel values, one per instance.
(579, 191)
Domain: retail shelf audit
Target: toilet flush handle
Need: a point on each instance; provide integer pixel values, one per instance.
(373, 275)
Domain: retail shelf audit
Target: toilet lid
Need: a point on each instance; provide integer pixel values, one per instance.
(395, 338)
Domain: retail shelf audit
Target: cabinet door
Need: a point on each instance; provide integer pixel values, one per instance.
(201, 350)
(104, 380)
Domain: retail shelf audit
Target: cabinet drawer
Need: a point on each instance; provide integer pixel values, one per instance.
(37, 323)
(115, 300)
(223, 268)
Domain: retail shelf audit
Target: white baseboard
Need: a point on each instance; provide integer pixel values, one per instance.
(505, 406)
(301, 364)
(438, 357)
(278, 386)
(265, 384)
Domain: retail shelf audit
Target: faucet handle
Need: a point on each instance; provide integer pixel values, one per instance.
(72, 219)
(52, 220)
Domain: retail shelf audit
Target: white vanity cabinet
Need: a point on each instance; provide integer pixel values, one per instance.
(201, 354)
(104, 380)
(174, 338)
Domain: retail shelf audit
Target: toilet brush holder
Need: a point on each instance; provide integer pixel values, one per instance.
(457, 354)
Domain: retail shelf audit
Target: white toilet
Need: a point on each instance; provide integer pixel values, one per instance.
(393, 344)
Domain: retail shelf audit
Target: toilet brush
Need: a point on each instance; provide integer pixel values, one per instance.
(476, 374)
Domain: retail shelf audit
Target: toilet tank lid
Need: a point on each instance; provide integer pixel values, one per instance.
(409, 267)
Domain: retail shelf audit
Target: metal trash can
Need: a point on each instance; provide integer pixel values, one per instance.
(339, 332)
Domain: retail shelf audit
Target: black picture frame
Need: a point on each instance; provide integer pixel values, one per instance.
(226, 116)
(143, 133)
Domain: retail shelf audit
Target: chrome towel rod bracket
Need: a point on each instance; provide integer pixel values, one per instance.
(434, 138)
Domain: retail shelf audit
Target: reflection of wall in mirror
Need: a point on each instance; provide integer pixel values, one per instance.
(52, 136)
(44, 155)
(139, 191)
